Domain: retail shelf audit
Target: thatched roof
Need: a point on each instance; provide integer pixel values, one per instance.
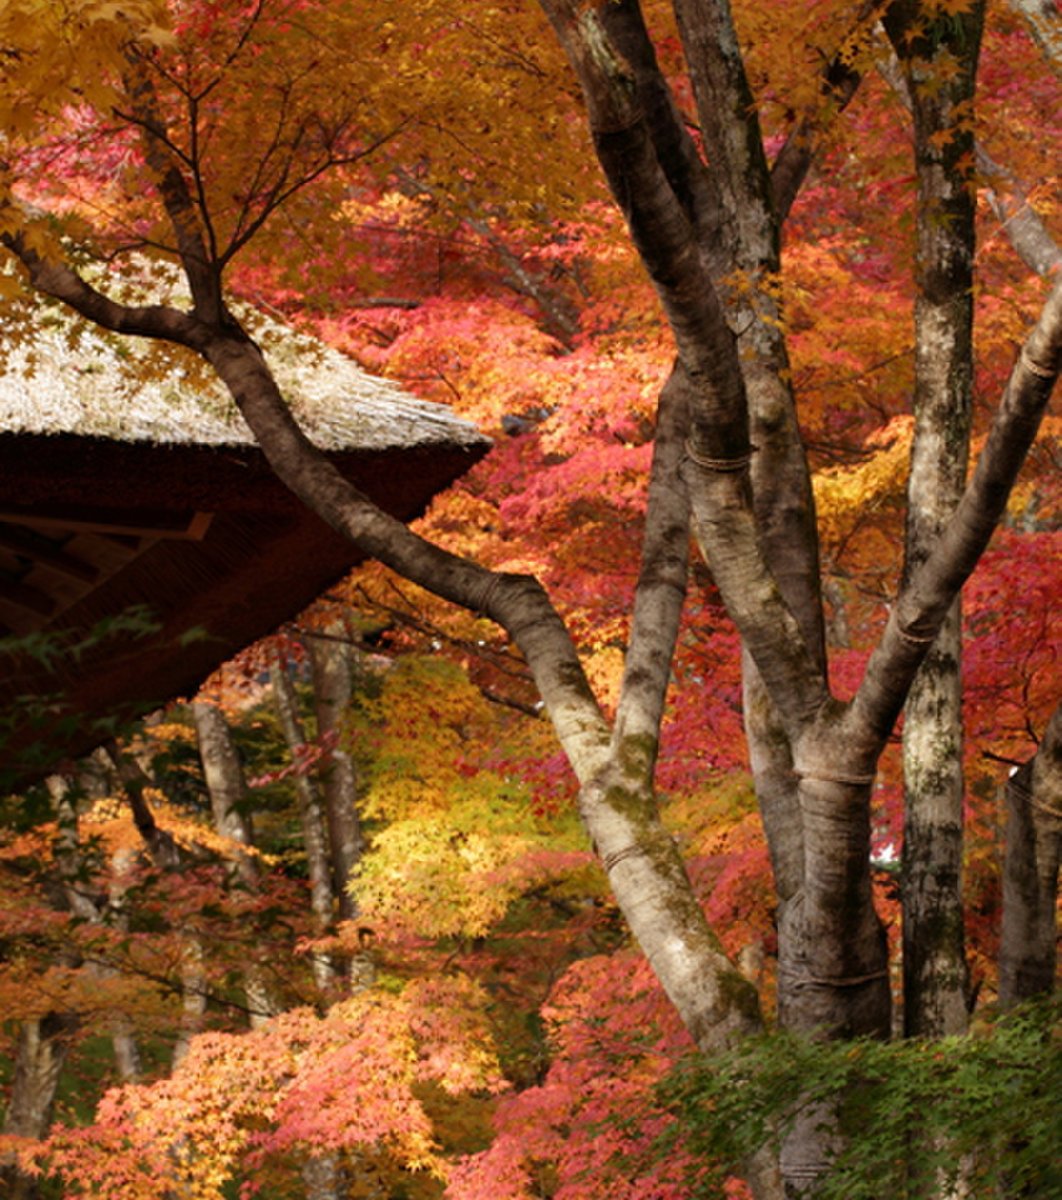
(94, 384)
(129, 481)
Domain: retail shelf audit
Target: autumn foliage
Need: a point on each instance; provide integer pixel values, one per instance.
(512, 1042)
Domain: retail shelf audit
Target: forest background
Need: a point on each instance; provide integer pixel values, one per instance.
(471, 1017)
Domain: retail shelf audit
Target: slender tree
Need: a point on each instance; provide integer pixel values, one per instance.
(331, 661)
(1033, 845)
(940, 64)
(227, 789)
(311, 815)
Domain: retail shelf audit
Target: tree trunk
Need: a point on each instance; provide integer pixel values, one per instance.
(126, 1050)
(940, 65)
(331, 658)
(934, 959)
(693, 225)
(314, 833)
(324, 1176)
(228, 797)
(193, 999)
(67, 850)
(838, 960)
(43, 1045)
(1028, 945)
(165, 854)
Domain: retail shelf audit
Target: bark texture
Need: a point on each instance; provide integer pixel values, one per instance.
(166, 855)
(43, 1045)
(311, 817)
(939, 59)
(331, 658)
(1028, 955)
(44, 1042)
(228, 801)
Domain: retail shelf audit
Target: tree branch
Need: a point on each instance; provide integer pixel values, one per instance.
(1045, 27)
(1021, 222)
(694, 186)
(60, 281)
(923, 602)
(517, 602)
(840, 82)
(661, 589)
(196, 242)
(660, 228)
(731, 130)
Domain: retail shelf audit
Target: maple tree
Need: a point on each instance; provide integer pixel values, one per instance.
(150, 154)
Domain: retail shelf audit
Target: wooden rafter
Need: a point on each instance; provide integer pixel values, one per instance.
(56, 559)
(152, 524)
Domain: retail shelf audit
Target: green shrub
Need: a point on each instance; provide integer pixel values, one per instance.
(914, 1114)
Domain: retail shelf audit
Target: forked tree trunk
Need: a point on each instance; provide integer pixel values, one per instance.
(693, 224)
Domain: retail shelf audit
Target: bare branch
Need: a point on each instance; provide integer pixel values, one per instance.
(1021, 222)
(187, 217)
(279, 194)
(661, 589)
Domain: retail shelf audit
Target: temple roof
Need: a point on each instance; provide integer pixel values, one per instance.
(133, 498)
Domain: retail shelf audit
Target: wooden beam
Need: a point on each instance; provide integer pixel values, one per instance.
(48, 556)
(133, 522)
(27, 598)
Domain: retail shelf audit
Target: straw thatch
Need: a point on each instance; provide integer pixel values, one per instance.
(94, 384)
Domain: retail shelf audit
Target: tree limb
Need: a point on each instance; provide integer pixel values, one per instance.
(661, 589)
(924, 600)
